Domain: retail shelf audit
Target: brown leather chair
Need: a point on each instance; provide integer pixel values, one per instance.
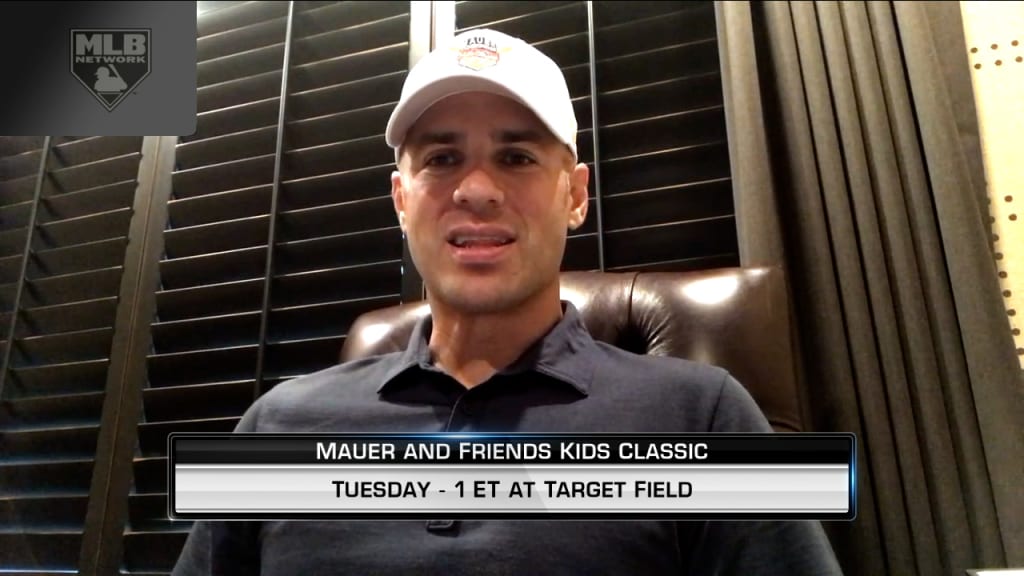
(736, 318)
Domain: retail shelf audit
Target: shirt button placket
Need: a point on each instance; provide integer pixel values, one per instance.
(463, 414)
(462, 417)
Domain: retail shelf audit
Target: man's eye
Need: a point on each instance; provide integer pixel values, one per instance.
(513, 158)
(441, 159)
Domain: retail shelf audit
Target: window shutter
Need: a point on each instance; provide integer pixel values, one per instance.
(667, 194)
(61, 299)
(205, 336)
(665, 189)
(338, 246)
(308, 177)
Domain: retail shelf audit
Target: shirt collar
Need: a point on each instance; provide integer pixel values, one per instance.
(561, 353)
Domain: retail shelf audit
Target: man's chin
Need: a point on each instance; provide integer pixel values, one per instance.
(480, 297)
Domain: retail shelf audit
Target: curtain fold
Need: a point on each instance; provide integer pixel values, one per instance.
(993, 376)
(873, 178)
(749, 166)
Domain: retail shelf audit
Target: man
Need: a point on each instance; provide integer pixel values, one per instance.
(488, 183)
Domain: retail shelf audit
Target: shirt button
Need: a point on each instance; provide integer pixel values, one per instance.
(440, 525)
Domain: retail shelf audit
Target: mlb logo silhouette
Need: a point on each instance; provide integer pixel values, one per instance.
(110, 63)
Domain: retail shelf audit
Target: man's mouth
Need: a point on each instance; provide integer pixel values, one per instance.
(479, 245)
(460, 241)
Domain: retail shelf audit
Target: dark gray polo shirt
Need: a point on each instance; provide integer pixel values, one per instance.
(565, 382)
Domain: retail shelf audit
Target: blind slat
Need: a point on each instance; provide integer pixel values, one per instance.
(536, 26)
(57, 513)
(369, 214)
(219, 149)
(19, 165)
(210, 299)
(213, 268)
(237, 92)
(45, 478)
(348, 67)
(15, 215)
(670, 204)
(74, 287)
(672, 241)
(78, 258)
(361, 93)
(57, 410)
(330, 319)
(14, 145)
(217, 237)
(341, 250)
(245, 64)
(474, 13)
(66, 347)
(96, 173)
(58, 379)
(204, 333)
(351, 185)
(88, 201)
(26, 549)
(78, 443)
(237, 118)
(651, 134)
(153, 433)
(70, 317)
(350, 124)
(220, 206)
(203, 366)
(363, 36)
(215, 406)
(224, 176)
(86, 229)
(95, 148)
(338, 283)
(244, 14)
(667, 167)
(15, 190)
(240, 39)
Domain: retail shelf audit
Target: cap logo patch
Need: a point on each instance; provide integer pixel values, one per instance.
(478, 53)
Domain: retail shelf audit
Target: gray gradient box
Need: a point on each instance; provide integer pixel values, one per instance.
(98, 68)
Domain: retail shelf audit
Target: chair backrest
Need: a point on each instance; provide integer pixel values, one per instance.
(736, 318)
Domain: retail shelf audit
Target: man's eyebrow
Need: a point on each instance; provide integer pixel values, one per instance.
(515, 136)
(502, 136)
(426, 138)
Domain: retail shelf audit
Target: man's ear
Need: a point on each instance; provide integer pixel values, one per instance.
(579, 180)
(398, 197)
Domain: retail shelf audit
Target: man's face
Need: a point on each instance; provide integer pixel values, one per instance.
(485, 194)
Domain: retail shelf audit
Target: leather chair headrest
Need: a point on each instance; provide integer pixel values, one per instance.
(736, 318)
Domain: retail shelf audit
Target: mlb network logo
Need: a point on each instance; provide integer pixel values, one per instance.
(110, 63)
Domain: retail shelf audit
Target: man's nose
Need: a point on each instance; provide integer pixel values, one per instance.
(478, 192)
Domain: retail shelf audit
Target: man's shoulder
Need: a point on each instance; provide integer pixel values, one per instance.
(323, 396)
(657, 371)
(696, 396)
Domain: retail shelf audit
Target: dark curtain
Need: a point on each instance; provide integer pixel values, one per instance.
(857, 167)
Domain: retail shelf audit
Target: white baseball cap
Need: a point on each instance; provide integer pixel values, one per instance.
(488, 61)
